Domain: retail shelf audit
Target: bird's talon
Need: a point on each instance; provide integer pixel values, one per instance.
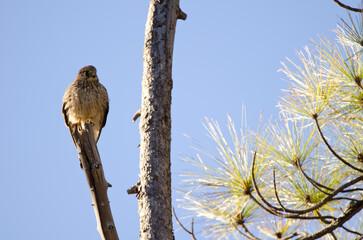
(89, 122)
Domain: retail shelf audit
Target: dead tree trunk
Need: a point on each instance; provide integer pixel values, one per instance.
(154, 189)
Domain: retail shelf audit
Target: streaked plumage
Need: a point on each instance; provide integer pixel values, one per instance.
(86, 99)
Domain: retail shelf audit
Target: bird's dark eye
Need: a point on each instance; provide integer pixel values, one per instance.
(86, 73)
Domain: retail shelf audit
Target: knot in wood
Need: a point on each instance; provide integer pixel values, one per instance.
(96, 165)
(360, 157)
(358, 80)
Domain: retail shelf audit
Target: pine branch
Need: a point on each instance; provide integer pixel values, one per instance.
(350, 211)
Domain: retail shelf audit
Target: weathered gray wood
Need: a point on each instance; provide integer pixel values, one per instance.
(154, 191)
(92, 166)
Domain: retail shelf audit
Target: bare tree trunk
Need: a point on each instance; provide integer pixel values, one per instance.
(154, 189)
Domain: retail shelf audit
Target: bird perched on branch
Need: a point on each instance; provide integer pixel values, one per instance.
(86, 100)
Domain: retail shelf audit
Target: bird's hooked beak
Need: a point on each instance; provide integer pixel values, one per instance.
(93, 76)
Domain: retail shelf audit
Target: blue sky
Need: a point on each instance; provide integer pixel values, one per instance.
(226, 54)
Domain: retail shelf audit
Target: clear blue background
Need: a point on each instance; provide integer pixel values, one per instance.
(225, 54)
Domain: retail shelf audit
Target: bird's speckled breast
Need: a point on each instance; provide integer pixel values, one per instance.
(84, 103)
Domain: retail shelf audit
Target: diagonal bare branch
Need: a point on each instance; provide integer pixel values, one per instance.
(348, 7)
(351, 210)
(92, 166)
(191, 232)
(351, 231)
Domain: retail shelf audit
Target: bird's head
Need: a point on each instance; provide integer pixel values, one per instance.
(88, 73)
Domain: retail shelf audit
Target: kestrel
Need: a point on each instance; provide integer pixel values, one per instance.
(86, 100)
